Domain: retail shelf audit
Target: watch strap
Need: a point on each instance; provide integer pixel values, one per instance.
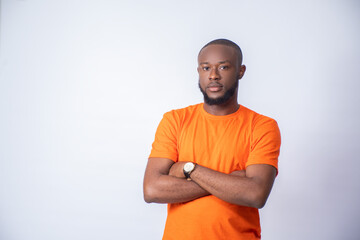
(187, 173)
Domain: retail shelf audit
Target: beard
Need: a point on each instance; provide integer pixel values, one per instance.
(220, 100)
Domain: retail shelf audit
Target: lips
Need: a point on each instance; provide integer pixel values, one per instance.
(214, 87)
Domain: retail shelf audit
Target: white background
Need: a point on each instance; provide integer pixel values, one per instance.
(83, 85)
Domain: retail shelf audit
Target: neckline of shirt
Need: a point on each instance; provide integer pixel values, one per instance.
(231, 115)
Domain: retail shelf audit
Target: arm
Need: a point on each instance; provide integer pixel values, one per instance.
(159, 187)
(250, 189)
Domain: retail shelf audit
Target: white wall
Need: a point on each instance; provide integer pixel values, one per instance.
(83, 85)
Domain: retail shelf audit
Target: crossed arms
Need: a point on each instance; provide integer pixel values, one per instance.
(164, 182)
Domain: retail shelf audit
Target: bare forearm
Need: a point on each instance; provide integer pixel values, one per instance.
(164, 182)
(169, 189)
(161, 187)
(223, 185)
(240, 190)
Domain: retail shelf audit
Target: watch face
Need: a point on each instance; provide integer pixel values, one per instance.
(188, 166)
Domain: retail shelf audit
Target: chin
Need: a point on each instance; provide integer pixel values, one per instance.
(215, 96)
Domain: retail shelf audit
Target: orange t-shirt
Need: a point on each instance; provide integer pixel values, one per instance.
(222, 143)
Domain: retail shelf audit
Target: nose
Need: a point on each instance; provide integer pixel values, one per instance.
(214, 74)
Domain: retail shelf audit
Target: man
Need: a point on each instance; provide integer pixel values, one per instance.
(214, 163)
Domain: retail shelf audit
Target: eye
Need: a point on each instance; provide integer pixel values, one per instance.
(224, 67)
(205, 68)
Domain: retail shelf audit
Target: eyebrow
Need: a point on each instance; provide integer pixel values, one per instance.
(221, 62)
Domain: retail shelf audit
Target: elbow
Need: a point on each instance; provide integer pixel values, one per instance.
(147, 198)
(149, 194)
(258, 201)
(259, 204)
(255, 204)
(153, 190)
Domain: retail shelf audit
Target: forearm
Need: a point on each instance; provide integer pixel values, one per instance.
(164, 182)
(240, 190)
(169, 189)
(232, 189)
(161, 187)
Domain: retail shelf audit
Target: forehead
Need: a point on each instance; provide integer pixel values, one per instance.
(217, 53)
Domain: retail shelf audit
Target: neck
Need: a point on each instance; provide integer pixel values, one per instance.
(222, 109)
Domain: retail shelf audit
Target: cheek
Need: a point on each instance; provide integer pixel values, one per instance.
(230, 76)
(203, 78)
(202, 84)
(203, 74)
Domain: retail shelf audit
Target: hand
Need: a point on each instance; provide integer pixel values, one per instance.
(176, 170)
(239, 173)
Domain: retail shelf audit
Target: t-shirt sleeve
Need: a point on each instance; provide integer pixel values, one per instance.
(165, 143)
(265, 143)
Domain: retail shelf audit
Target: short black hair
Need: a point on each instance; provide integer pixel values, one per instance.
(226, 42)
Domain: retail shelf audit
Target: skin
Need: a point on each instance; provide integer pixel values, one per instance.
(164, 180)
(219, 65)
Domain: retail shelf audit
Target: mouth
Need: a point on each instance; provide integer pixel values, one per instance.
(214, 87)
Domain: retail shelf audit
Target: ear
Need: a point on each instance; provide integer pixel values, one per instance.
(198, 69)
(242, 70)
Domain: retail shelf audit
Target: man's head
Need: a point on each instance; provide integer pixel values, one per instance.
(220, 68)
(226, 42)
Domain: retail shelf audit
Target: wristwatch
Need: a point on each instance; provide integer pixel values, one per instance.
(188, 168)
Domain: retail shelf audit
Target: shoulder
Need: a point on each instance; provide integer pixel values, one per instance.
(183, 113)
(254, 117)
(259, 122)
